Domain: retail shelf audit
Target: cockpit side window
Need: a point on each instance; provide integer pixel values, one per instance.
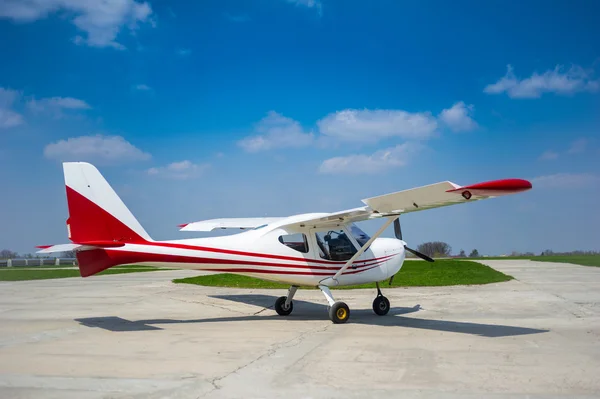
(296, 241)
(335, 245)
(359, 235)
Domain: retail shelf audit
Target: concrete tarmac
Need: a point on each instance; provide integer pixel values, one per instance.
(141, 336)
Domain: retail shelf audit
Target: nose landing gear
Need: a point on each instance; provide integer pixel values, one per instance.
(381, 305)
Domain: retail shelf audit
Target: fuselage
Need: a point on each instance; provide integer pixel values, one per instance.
(266, 253)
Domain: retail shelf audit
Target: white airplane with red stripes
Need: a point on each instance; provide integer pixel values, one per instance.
(321, 250)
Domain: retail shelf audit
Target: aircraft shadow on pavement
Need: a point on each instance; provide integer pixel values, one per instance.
(304, 311)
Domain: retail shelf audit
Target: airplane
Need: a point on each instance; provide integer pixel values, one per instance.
(323, 250)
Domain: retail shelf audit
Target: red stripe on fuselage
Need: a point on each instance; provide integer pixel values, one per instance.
(286, 272)
(123, 257)
(252, 254)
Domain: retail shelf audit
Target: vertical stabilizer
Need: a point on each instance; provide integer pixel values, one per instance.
(96, 213)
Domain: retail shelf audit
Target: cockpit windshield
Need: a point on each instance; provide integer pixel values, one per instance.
(336, 245)
(359, 235)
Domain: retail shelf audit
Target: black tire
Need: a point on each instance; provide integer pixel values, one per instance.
(381, 305)
(280, 309)
(339, 313)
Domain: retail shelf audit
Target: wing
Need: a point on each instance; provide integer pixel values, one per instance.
(417, 199)
(443, 194)
(332, 219)
(228, 223)
(412, 200)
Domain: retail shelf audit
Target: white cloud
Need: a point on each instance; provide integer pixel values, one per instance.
(99, 148)
(459, 117)
(566, 181)
(179, 170)
(374, 125)
(57, 105)
(142, 87)
(578, 146)
(368, 164)
(549, 156)
(101, 20)
(316, 4)
(277, 131)
(54, 106)
(8, 116)
(574, 80)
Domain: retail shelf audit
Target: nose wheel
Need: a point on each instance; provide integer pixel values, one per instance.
(381, 305)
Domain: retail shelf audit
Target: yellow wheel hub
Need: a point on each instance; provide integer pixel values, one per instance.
(341, 313)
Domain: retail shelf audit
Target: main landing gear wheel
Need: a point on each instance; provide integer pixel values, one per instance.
(280, 307)
(381, 305)
(339, 313)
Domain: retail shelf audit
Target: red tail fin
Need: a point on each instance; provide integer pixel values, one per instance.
(97, 218)
(88, 222)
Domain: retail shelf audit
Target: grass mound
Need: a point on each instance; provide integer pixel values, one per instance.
(413, 274)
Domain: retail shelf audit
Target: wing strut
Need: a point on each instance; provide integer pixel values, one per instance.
(363, 248)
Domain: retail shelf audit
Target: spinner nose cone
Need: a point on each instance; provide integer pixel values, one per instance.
(391, 245)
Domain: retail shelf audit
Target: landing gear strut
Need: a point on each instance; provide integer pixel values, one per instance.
(381, 305)
(339, 312)
(284, 304)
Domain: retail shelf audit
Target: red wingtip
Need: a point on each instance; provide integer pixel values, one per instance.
(496, 187)
(43, 246)
(181, 226)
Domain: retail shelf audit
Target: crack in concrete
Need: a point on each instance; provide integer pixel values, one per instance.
(199, 302)
(270, 352)
(262, 310)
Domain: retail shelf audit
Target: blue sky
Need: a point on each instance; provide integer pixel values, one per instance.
(196, 110)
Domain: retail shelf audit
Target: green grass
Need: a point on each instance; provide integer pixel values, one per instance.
(413, 274)
(41, 274)
(584, 260)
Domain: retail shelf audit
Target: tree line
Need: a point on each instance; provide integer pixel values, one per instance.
(440, 249)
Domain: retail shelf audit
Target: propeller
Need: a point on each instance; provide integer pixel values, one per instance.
(419, 254)
(398, 232)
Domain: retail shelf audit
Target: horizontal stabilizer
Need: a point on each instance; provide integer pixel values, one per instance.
(48, 249)
(82, 246)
